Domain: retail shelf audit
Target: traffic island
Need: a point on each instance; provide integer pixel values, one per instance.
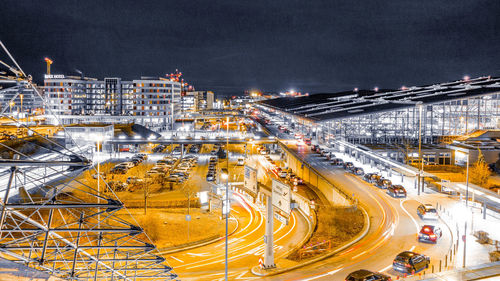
(291, 262)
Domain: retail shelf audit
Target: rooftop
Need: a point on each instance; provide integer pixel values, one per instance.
(330, 106)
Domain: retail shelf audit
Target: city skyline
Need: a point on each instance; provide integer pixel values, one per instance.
(233, 47)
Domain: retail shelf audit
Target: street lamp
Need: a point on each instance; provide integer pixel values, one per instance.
(421, 162)
(225, 176)
(11, 105)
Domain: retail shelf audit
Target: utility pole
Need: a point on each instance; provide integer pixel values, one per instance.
(268, 238)
(228, 207)
(421, 162)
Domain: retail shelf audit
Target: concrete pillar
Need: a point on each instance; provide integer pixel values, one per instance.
(268, 238)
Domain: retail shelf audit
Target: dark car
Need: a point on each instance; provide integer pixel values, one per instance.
(383, 183)
(358, 171)
(396, 191)
(119, 170)
(430, 234)
(366, 275)
(371, 177)
(348, 165)
(410, 262)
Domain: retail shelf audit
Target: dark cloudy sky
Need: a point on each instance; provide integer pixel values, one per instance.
(231, 46)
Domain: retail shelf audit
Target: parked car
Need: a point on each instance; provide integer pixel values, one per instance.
(210, 176)
(410, 262)
(383, 183)
(396, 191)
(117, 186)
(132, 180)
(143, 155)
(366, 275)
(348, 166)
(430, 234)
(175, 178)
(282, 174)
(427, 212)
(371, 177)
(358, 171)
(119, 170)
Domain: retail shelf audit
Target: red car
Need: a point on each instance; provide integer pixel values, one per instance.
(430, 234)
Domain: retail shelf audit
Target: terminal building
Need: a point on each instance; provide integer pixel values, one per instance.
(392, 120)
(150, 101)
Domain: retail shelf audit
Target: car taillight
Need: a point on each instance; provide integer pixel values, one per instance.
(407, 265)
(433, 236)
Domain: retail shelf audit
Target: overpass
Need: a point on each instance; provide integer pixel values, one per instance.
(190, 141)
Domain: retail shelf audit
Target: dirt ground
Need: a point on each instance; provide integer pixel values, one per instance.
(168, 227)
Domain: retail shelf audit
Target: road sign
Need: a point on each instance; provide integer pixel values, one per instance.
(281, 218)
(281, 196)
(250, 179)
(188, 217)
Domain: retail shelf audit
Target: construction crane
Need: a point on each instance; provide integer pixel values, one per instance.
(176, 76)
(49, 62)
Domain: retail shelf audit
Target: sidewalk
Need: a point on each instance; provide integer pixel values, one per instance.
(489, 271)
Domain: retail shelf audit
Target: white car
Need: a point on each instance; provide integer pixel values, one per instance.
(427, 212)
(282, 174)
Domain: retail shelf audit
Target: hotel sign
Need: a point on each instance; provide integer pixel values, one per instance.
(54, 76)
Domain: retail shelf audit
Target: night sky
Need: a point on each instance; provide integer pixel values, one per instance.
(233, 46)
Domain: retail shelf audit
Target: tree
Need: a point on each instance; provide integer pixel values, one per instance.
(146, 187)
(479, 172)
(190, 191)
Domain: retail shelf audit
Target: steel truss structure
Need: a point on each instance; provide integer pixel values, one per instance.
(53, 221)
(439, 121)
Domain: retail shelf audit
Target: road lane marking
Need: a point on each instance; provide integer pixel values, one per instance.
(417, 226)
(385, 268)
(198, 255)
(176, 259)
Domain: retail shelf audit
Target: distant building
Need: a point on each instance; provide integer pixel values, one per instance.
(21, 98)
(195, 101)
(152, 101)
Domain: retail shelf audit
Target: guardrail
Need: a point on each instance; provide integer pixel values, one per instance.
(340, 191)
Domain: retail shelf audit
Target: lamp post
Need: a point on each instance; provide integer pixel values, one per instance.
(421, 162)
(225, 176)
(227, 195)
(467, 181)
(11, 104)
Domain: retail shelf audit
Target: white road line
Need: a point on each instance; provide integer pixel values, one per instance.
(412, 248)
(176, 259)
(385, 268)
(417, 226)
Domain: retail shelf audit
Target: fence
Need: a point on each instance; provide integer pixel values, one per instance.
(183, 203)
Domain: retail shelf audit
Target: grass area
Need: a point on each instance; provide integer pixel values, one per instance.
(168, 227)
(335, 226)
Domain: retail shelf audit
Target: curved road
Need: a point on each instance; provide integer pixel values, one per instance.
(393, 229)
(245, 246)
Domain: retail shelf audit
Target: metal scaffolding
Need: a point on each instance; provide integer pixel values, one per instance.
(52, 221)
